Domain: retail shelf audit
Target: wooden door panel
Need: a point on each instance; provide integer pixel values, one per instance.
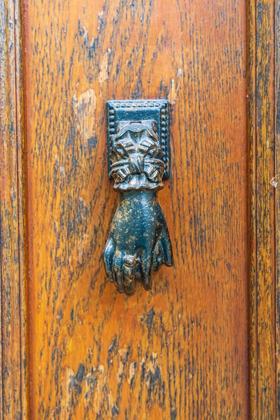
(179, 351)
(71, 346)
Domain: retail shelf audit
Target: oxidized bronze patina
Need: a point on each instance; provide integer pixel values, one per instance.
(138, 152)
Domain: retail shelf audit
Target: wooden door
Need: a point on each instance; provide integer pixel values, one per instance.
(202, 344)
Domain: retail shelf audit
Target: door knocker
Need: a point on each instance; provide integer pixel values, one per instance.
(138, 154)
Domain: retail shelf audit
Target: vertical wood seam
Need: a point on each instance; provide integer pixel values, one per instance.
(13, 310)
(261, 137)
(21, 200)
(21, 213)
(277, 201)
(251, 62)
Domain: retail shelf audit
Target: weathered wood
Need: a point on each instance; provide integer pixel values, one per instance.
(263, 398)
(251, 134)
(277, 200)
(179, 351)
(12, 265)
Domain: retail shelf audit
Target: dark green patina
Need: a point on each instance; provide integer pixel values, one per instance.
(138, 151)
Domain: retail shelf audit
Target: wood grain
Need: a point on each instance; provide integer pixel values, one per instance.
(12, 239)
(173, 373)
(181, 350)
(277, 202)
(262, 159)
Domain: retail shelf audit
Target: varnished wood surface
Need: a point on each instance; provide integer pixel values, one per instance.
(181, 350)
(12, 238)
(155, 372)
(261, 84)
(277, 204)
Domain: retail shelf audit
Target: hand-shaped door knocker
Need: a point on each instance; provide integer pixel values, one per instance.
(138, 152)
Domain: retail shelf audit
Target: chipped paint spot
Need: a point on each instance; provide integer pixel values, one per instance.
(62, 170)
(120, 372)
(96, 380)
(132, 370)
(154, 382)
(172, 93)
(123, 353)
(84, 107)
(66, 402)
(274, 181)
(179, 72)
(104, 68)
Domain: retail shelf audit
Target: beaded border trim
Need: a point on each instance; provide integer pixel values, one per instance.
(163, 107)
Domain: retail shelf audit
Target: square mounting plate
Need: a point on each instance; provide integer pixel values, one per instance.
(139, 110)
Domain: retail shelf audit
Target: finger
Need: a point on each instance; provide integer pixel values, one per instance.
(118, 280)
(118, 272)
(146, 282)
(146, 271)
(157, 256)
(108, 257)
(129, 278)
(166, 247)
